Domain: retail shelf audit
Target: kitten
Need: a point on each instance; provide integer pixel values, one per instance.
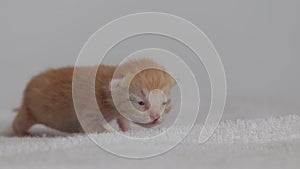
(48, 98)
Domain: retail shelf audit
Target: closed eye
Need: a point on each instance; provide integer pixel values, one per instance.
(138, 101)
(167, 102)
(141, 103)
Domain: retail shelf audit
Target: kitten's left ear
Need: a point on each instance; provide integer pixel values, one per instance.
(115, 83)
(172, 83)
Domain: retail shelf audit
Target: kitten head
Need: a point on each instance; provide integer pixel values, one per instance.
(144, 97)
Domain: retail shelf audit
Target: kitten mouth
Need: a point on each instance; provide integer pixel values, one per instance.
(155, 121)
(149, 124)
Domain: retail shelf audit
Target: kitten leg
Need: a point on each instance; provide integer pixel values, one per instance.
(22, 122)
(124, 124)
(92, 126)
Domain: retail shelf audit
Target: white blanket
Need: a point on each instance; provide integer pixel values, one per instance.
(272, 142)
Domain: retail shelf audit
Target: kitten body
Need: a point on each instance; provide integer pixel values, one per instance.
(48, 100)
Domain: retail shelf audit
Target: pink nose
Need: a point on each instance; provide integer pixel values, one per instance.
(154, 116)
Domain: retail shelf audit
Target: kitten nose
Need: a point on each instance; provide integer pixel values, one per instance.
(154, 116)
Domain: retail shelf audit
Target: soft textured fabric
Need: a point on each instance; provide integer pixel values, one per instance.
(272, 142)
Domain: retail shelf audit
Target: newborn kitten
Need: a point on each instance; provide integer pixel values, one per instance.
(48, 98)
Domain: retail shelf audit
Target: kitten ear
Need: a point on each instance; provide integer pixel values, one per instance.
(175, 81)
(114, 83)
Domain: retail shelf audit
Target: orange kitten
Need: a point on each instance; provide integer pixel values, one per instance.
(48, 99)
